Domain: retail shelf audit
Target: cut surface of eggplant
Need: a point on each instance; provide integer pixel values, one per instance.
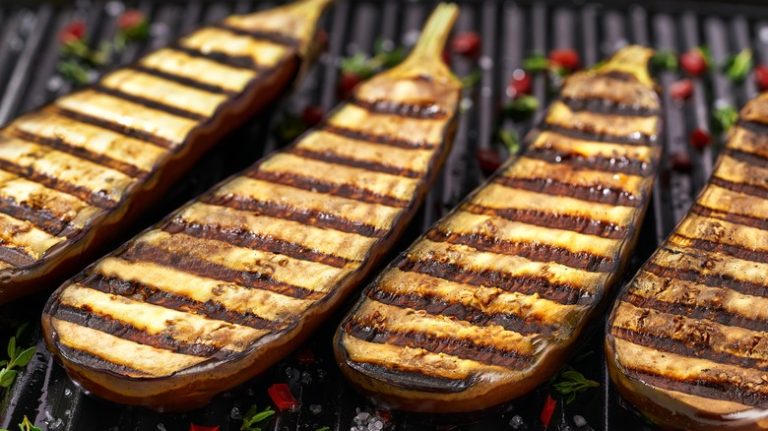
(233, 281)
(686, 340)
(486, 304)
(74, 173)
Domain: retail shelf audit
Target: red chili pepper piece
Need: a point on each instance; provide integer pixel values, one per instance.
(681, 161)
(466, 44)
(682, 89)
(547, 411)
(489, 160)
(312, 115)
(446, 55)
(73, 32)
(347, 83)
(761, 77)
(130, 19)
(565, 58)
(282, 397)
(194, 427)
(693, 62)
(519, 84)
(700, 138)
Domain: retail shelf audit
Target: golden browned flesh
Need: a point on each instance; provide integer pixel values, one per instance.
(687, 339)
(233, 281)
(486, 304)
(76, 172)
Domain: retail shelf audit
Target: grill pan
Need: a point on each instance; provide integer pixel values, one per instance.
(509, 31)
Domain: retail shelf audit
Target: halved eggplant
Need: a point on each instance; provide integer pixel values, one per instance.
(687, 340)
(233, 281)
(486, 305)
(76, 172)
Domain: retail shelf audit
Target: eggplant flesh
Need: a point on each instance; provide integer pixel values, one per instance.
(486, 304)
(686, 340)
(236, 279)
(78, 171)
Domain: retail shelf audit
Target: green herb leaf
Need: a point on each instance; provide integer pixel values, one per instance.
(706, 53)
(571, 382)
(664, 60)
(510, 139)
(12, 348)
(738, 66)
(725, 117)
(318, 429)
(471, 80)
(73, 71)
(20, 330)
(358, 64)
(27, 425)
(536, 63)
(521, 107)
(254, 418)
(23, 358)
(7, 376)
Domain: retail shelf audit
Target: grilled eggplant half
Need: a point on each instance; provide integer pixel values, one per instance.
(687, 340)
(233, 281)
(486, 304)
(77, 171)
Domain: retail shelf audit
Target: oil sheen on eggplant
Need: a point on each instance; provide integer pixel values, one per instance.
(686, 340)
(485, 306)
(74, 173)
(233, 281)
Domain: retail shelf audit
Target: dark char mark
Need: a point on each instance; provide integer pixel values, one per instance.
(330, 157)
(376, 139)
(183, 80)
(94, 362)
(149, 103)
(269, 36)
(731, 250)
(425, 111)
(15, 256)
(622, 165)
(129, 131)
(594, 193)
(41, 218)
(411, 380)
(603, 106)
(744, 220)
(744, 188)
(237, 61)
(712, 280)
(590, 135)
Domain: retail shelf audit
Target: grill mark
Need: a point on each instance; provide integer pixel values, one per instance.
(746, 157)
(90, 318)
(527, 284)
(731, 250)
(100, 159)
(315, 185)
(269, 36)
(594, 193)
(744, 188)
(41, 218)
(245, 238)
(437, 306)
(581, 224)
(308, 217)
(236, 61)
(588, 135)
(96, 198)
(330, 157)
(154, 296)
(412, 380)
(754, 127)
(715, 280)
(702, 388)
(92, 361)
(376, 139)
(622, 165)
(462, 348)
(128, 131)
(183, 80)
(142, 252)
(149, 103)
(15, 256)
(424, 111)
(692, 349)
(741, 219)
(530, 250)
(602, 106)
(699, 312)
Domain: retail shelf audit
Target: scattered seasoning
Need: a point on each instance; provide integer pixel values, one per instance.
(289, 127)
(761, 77)
(17, 358)
(323, 429)
(681, 161)
(521, 107)
(700, 138)
(282, 397)
(510, 139)
(312, 115)
(738, 66)
(467, 44)
(536, 62)
(195, 427)
(27, 425)
(571, 382)
(681, 90)
(519, 84)
(347, 82)
(567, 59)
(695, 61)
(470, 80)
(359, 67)
(132, 26)
(489, 160)
(664, 60)
(725, 117)
(547, 411)
(254, 418)
(72, 33)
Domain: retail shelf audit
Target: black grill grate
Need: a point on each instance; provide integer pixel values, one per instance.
(510, 31)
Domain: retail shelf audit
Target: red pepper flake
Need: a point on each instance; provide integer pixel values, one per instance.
(489, 160)
(347, 83)
(72, 33)
(194, 427)
(761, 77)
(693, 62)
(700, 138)
(131, 19)
(312, 115)
(566, 58)
(446, 56)
(681, 161)
(466, 44)
(519, 84)
(547, 411)
(281, 396)
(681, 90)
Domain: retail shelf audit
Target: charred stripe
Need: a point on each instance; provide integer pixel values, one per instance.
(619, 164)
(41, 218)
(603, 106)
(15, 256)
(712, 280)
(268, 36)
(150, 103)
(592, 136)
(411, 379)
(424, 111)
(129, 131)
(376, 139)
(237, 61)
(747, 157)
(183, 80)
(330, 157)
(736, 251)
(92, 361)
(592, 193)
(741, 219)
(744, 188)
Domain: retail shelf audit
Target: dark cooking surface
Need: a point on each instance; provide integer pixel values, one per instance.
(510, 31)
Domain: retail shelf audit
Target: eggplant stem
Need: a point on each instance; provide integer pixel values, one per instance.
(427, 54)
(632, 59)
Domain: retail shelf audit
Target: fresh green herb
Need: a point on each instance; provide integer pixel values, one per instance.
(706, 53)
(73, 71)
(27, 425)
(254, 418)
(470, 80)
(536, 63)
(389, 54)
(17, 358)
(664, 60)
(324, 429)
(522, 107)
(570, 382)
(738, 66)
(510, 139)
(289, 127)
(364, 66)
(725, 117)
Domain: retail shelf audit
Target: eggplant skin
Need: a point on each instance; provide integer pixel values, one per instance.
(233, 281)
(488, 302)
(686, 338)
(77, 172)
